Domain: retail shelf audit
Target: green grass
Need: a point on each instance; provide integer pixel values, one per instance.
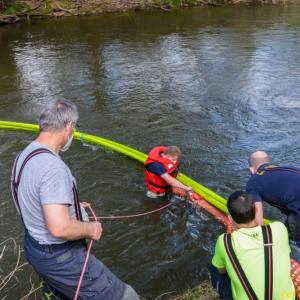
(175, 3)
(10, 10)
(48, 5)
(13, 7)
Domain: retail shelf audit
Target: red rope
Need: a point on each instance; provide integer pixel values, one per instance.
(92, 242)
(134, 216)
(86, 258)
(195, 198)
(198, 200)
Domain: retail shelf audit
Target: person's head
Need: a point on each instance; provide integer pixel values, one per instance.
(241, 207)
(172, 153)
(256, 159)
(59, 117)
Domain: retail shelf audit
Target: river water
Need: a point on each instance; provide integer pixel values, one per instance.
(217, 82)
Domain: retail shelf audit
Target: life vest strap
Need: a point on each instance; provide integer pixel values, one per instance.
(165, 187)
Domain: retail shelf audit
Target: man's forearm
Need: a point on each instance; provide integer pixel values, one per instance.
(259, 215)
(75, 230)
(61, 225)
(174, 182)
(180, 185)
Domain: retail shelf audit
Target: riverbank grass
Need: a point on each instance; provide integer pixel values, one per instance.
(204, 291)
(12, 11)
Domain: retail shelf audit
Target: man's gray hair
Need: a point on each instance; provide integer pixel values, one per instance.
(57, 114)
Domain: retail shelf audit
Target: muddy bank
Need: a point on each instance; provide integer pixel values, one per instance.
(18, 10)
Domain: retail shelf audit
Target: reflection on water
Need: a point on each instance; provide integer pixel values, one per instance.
(218, 83)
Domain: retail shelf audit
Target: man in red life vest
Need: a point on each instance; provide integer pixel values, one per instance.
(161, 168)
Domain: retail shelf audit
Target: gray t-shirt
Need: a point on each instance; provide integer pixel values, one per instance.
(46, 179)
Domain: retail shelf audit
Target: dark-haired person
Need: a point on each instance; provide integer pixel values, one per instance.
(279, 186)
(161, 169)
(254, 259)
(46, 198)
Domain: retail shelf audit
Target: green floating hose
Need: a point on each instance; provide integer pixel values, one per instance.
(210, 196)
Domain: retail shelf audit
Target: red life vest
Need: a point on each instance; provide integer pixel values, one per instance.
(153, 181)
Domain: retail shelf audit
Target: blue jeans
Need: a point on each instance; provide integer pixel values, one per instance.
(60, 266)
(222, 283)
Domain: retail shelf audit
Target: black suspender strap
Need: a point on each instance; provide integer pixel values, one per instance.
(13, 186)
(238, 268)
(267, 237)
(268, 255)
(15, 181)
(76, 203)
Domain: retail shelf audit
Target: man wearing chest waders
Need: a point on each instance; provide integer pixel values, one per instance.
(280, 187)
(253, 262)
(161, 169)
(56, 226)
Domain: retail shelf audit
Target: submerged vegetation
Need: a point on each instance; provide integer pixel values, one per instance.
(12, 274)
(204, 291)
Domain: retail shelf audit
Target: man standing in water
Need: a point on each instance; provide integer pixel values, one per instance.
(161, 169)
(280, 187)
(46, 197)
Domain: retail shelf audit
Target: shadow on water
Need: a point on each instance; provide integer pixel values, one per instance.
(219, 83)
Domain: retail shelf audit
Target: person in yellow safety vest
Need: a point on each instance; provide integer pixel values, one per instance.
(161, 169)
(253, 262)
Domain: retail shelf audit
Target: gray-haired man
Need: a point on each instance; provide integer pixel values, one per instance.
(46, 197)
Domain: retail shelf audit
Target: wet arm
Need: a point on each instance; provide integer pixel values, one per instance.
(174, 182)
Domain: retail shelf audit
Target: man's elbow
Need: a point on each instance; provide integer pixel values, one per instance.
(59, 232)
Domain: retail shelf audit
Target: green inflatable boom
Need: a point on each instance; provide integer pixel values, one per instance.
(211, 197)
